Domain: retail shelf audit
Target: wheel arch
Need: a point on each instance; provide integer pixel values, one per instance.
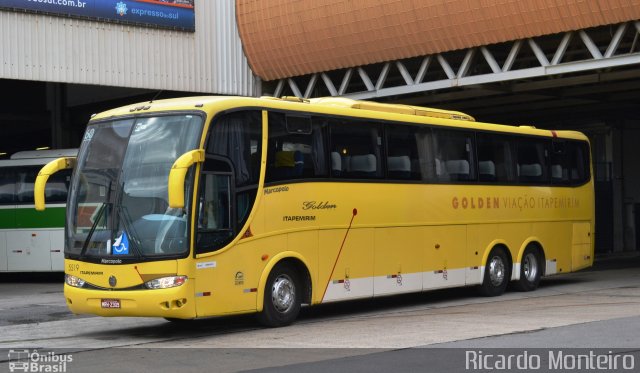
(299, 263)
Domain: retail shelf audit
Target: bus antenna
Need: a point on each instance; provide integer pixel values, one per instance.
(156, 96)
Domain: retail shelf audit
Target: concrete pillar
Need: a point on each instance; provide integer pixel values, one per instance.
(57, 108)
(618, 190)
(631, 181)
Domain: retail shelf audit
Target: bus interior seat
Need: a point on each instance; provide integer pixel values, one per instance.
(530, 172)
(399, 167)
(362, 165)
(458, 168)
(487, 170)
(439, 168)
(336, 164)
(289, 163)
(557, 172)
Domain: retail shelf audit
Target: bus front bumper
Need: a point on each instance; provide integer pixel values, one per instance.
(177, 302)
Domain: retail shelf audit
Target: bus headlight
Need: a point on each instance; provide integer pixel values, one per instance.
(74, 281)
(166, 282)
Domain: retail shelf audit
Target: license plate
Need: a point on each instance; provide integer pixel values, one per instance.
(110, 303)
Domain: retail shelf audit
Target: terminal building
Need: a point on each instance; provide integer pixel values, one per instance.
(570, 64)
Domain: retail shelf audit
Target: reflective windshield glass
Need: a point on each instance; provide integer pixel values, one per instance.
(119, 200)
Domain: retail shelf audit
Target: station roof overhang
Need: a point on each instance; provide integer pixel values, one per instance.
(284, 39)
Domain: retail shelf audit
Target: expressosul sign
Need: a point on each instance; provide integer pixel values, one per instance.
(173, 14)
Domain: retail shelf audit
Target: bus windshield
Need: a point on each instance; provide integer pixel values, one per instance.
(118, 204)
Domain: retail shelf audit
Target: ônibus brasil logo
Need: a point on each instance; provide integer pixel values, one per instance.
(33, 361)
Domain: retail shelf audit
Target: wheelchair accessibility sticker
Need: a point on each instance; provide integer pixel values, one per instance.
(121, 246)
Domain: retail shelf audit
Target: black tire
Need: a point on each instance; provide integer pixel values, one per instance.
(497, 273)
(282, 297)
(530, 270)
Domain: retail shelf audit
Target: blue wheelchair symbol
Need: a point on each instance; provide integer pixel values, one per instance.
(121, 246)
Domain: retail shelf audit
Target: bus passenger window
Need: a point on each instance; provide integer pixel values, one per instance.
(7, 186)
(402, 153)
(531, 161)
(296, 148)
(358, 146)
(495, 161)
(454, 155)
(569, 162)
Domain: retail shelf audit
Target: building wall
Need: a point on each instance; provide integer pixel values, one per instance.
(58, 49)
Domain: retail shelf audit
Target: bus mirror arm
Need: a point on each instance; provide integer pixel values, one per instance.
(177, 175)
(46, 171)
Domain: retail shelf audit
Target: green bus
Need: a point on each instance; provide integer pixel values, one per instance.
(32, 241)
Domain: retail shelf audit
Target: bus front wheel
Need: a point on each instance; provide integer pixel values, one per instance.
(497, 273)
(282, 297)
(530, 270)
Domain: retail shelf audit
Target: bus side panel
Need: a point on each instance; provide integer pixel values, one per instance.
(581, 246)
(352, 277)
(399, 253)
(3, 251)
(7, 221)
(227, 283)
(445, 258)
(57, 250)
(28, 250)
(555, 239)
(305, 243)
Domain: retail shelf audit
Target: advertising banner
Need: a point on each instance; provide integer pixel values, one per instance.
(173, 14)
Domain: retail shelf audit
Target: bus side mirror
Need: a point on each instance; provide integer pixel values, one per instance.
(177, 175)
(46, 171)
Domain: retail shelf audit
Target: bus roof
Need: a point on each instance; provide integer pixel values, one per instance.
(36, 154)
(332, 106)
(37, 157)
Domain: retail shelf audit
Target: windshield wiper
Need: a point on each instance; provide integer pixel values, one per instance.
(93, 228)
(128, 227)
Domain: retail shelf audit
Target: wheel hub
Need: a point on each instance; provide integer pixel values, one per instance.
(530, 267)
(496, 271)
(283, 293)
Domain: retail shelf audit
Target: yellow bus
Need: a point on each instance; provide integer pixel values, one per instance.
(208, 206)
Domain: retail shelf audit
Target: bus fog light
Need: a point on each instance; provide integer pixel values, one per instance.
(166, 282)
(73, 281)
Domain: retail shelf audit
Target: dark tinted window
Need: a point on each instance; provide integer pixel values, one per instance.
(296, 148)
(58, 187)
(26, 178)
(7, 186)
(531, 160)
(569, 162)
(237, 136)
(454, 160)
(356, 150)
(403, 161)
(495, 160)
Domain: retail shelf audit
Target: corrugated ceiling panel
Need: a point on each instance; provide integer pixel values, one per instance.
(58, 49)
(284, 38)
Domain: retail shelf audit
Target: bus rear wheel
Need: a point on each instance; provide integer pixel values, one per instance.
(497, 273)
(282, 297)
(530, 270)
